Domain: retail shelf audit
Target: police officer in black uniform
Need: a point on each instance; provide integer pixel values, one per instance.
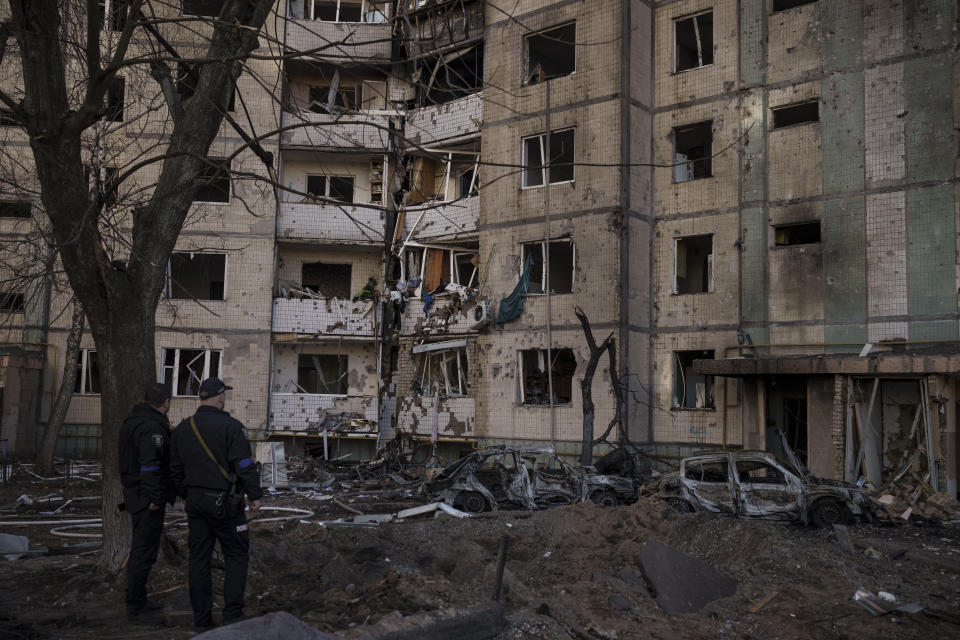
(147, 488)
(212, 467)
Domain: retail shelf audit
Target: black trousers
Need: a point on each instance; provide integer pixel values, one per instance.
(230, 529)
(147, 529)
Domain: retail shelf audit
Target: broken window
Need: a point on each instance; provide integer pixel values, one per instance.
(347, 97)
(783, 5)
(792, 234)
(706, 471)
(692, 152)
(185, 369)
(550, 54)
(441, 369)
(535, 380)
(561, 266)
(322, 374)
(113, 110)
(196, 276)
(694, 41)
(468, 183)
(113, 14)
(561, 158)
(209, 8)
(14, 209)
(88, 373)
(796, 114)
(691, 390)
(327, 280)
(213, 183)
(437, 267)
(332, 187)
(694, 267)
(11, 302)
(759, 472)
(345, 10)
(450, 76)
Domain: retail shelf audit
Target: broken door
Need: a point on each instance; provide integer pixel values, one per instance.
(767, 491)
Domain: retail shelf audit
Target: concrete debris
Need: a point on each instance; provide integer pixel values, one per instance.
(682, 583)
(843, 538)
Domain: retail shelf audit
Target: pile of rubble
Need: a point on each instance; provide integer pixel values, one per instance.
(912, 498)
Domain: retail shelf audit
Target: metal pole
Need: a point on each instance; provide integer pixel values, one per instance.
(546, 270)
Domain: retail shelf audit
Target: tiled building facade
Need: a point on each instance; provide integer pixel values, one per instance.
(743, 192)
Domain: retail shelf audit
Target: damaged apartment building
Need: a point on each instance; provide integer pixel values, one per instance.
(756, 198)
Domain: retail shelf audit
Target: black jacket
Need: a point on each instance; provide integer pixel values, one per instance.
(190, 465)
(145, 457)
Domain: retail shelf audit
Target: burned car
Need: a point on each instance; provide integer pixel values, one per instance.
(757, 484)
(505, 476)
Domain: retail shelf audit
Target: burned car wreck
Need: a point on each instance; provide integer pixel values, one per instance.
(503, 476)
(756, 484)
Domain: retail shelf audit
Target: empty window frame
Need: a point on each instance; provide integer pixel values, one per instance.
(113, 109)
(799, 113)
(561, 158)
(209, 8)
(788, 235)
(693, 44)
(347, 97)
(759, 472)
(333, 187)
(113, 14)
(185, 369)
(550, 54)
(694, 265)
(11, 302)
(562, 265)
(534, 379)
(707, 471)
(327, 280)
(88, 373)
(691, 390)
(450, 76)
(693, 152)
(324, 374)
(783, 5)
(436, 267)
(196, 276)
(213, 183)
(451, 176)
(374, 11)
(14, 209)
(468, 183)
(442, 372)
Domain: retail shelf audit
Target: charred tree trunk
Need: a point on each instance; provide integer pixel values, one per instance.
(586, 385)
(61, 404)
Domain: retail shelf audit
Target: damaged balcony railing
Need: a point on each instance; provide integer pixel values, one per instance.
(446, 122)
(366, 131)
(330, 222)
(340, 40)
(313, 412)
(324, 316)
(442, 220)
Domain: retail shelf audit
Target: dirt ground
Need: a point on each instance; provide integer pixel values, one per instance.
(579, 560)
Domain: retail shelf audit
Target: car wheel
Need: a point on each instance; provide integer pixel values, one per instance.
(605, 498)
(680, 505)
(472, 501)
(826, 513)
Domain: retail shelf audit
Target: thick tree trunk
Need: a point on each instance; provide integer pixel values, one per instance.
(586, 387)
(127, 363)
(61, 404)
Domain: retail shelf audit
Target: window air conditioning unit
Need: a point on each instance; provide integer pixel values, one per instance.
(482, 315)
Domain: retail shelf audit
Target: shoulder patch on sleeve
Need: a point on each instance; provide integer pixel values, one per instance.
(157, 440)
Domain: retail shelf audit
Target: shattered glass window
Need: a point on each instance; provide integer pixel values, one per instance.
(184, 369)
(759, 472)
(535, 381)
(707, 471)
(322, 373)
(443, 372)
(88, 373)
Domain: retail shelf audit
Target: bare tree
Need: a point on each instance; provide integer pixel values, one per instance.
(586, 383)
(66, 70)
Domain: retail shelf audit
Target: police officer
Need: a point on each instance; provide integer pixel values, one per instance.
(212, 467)
(147, 488)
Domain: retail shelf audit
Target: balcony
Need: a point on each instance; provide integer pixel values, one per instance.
(324, 316)
(451, 121)
(340, 41)
(360, 131)
(466, 317)
(441, 220)
(310, 413)
(330, 223)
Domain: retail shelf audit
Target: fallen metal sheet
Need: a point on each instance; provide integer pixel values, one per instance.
(13, 547)
(682, 583)
(879, 607)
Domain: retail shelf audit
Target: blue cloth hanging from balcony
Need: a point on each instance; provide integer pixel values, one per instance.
(512, 306)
